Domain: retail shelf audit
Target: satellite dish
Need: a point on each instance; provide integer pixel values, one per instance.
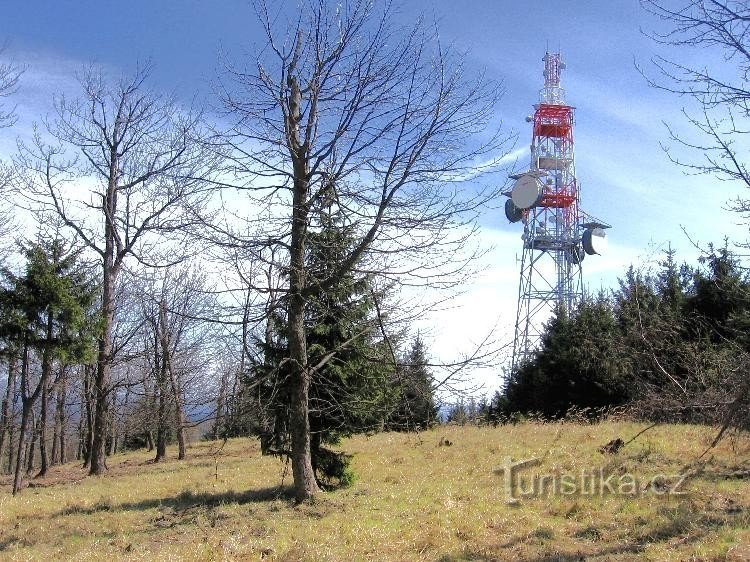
(595, 241)
(527, 192)
(576, 254)
(512, 213)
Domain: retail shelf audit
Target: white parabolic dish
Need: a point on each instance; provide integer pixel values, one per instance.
(595, 241)
(526, 192)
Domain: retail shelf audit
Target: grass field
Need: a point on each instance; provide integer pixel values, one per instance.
(416, 498)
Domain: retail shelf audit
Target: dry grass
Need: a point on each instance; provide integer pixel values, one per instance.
(415, 500)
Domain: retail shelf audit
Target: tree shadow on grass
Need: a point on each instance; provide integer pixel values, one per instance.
(14, 540)
(184, 501)
(618, 552)
(174, 510)
(580, 556)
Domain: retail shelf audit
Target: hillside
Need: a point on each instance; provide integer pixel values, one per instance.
(433, 496)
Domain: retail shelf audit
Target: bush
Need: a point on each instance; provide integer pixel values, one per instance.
(333, 469)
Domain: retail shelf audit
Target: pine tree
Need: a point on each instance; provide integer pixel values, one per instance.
(720, 293)
(416, 404)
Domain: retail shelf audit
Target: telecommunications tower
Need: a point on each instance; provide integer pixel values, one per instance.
(557, 235)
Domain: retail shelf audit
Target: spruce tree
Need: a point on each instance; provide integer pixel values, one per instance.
(576, 366)
(349, 386)
(416, 404)
(45, 311)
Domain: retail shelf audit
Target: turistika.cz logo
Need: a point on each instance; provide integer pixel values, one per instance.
(587, 482)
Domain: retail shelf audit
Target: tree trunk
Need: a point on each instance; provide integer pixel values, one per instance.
(44, 387)
(5, 414)
(166, 354)
(161, 430)
(55, 437)
(20, 456)
(149, 398)
(305, 486)
(11, 448)
(180, 421)
(87, 438)
(44, 462)
(270, 432)
(111, 268)
(27, 403)
(97, 462)
(113, 426)
(179, 417)
(161, 387)
(32, 444)
(316, 442)
(81, 437)
(59, 442)
(126, 419)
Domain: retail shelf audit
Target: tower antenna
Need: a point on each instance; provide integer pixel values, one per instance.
(557, 234)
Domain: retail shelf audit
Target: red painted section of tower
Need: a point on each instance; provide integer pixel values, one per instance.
(556, 122)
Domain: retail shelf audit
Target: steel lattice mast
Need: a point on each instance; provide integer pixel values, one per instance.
(555, 237)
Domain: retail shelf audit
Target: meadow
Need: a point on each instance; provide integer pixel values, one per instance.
(440, 495)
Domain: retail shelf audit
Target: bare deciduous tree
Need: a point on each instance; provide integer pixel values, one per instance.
(126, 174)
(174, 306)
(10, 74)
(721, 116)
(346, 107)
(721, 94)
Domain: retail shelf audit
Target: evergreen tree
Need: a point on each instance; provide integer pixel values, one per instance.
(577, 365)
(720, 293)
(693, 355)
(416, 404)
(349, 388)
(45, 311)
(672, 342)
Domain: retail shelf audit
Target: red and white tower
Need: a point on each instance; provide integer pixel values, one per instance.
(557, 235)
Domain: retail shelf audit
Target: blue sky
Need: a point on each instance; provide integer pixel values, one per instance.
(626, 178)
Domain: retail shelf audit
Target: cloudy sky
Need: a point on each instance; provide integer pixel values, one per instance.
(625, 176)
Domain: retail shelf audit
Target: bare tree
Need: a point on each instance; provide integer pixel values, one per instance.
(126, 175)
(174, 305)
(720, 113)
(345, 107)
(720, 95)
(10, 74)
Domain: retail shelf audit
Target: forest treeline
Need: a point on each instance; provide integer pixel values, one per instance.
(670, 344)
(179, 372)
(260, 268)
(168, 272)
